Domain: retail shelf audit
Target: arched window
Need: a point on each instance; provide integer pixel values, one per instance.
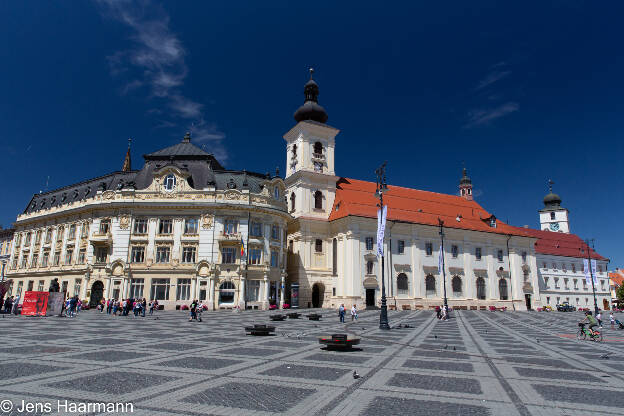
(456, 284)
(292, 202)
(318, 148)
(226, 292)
(402, 284)
(480, 288)
(552, 215)
(170, 182)
(276, 192)
(369, 267)
(335, 257)
(294, 150)
(430, 285)
(502, 288)
(318, 200)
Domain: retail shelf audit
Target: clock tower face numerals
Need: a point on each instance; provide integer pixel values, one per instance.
(554, 226)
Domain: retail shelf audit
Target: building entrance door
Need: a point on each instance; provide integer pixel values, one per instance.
(317, 295)
(527, 299)
(97, 292)
(370, 298)
(605, 304)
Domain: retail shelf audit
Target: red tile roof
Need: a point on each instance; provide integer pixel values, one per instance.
(617, 278)
(357, 198)
(561, 244)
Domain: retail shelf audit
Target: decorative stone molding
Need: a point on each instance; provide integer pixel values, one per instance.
(502, 273)
(206, 221)
(430, 270)
(402, 268)
(124, 222)
(456, 271)
(481, 273)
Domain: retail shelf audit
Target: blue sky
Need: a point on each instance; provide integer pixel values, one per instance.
(519, 93)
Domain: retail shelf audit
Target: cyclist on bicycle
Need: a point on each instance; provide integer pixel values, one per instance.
(590, 320)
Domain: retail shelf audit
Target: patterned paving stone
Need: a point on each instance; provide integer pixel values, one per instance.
(202, 363)
(117, 382)
(440, 354)
(262, 397)
(436, 383)
(556, 375)
(15, 370)
(250, 352)
(174, 346)
(440, 365)
(579, 395)
(110, 356)
(384, 406)
(36, 349)
(306, 372)
(350, 358)
(539, 361)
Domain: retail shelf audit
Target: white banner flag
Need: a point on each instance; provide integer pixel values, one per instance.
(593, 266)
(381, 229)
(440, 261)
(586, 270)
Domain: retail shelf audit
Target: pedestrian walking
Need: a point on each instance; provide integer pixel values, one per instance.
(341, 312)
(200, 309)
(354, 315)
(612, 319)
(599, 319)
(143, 306)
(15, 306)
(438, 312)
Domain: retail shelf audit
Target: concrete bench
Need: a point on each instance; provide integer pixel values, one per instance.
(314, 317)
(293, 315)
(277, 317)
(339, 341)
(258, 329)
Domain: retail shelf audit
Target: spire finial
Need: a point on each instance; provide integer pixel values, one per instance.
(129, 143)
(311, 72)
(127, 164)
(187, 137)
(550, 184)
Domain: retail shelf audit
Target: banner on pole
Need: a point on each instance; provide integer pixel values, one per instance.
(35, 303)
(593, 267)
(586, 271)
(440, 261)
(381, 229)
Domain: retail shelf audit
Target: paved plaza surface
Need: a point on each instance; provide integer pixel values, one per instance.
(478, 363)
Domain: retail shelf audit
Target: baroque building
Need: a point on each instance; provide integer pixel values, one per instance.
(6, 240)
(182, 227)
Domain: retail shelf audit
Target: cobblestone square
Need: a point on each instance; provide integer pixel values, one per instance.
(478, 363)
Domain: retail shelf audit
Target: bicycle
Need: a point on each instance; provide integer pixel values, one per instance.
(583, 333)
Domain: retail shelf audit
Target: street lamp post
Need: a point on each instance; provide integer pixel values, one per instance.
(381, 188)
(441, 223)
(591, 273)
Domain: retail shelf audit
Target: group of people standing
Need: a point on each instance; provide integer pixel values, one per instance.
(10, 305)
(342, 312)
(72, 306)
(196, 308)
(125, 306)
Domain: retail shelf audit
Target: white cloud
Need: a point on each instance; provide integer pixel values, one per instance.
(483, 116)
(158, 56)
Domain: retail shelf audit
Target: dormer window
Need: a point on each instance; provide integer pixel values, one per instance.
(493, 222)
(170, 182)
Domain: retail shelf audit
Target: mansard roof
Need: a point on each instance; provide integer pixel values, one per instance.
(561, 244)
(357, 198)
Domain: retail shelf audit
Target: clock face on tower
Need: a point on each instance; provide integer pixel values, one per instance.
(554, 226)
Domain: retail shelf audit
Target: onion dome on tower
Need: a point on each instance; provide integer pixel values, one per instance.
(552, 200)
(465, 186)
(311, 110)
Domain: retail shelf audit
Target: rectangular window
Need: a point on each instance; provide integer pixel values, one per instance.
(160, 289)
(230, 227)
(188, 254)
(57, 259)
(428, 249)
(228, 255)
(318, 245)
(183, 289)
(48, 236)
(256, 229)
(140, 226)
(401, 246)
(163, 254)
(104, 226)
(59, 233)
(454, 251)
(41, 283)
(69, 253)
(255, 256)
(499, 255)
(136, 288)
(81, 256)
(573, 268)
(101, 253)
(478, 253)
(84, 229)
(27, 239)
(253, 290)
(45, 259)
(369, 243)
(191, 226)
(137, 255)
(24, 261)
(72, 231)
(524, 257)
(274, 258)
(165, 226)
(38, 237)
(35, 260)
(275, 232)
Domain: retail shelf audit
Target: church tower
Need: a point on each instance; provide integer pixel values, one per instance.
(465, 186)
(310, 177)
(553, 217)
